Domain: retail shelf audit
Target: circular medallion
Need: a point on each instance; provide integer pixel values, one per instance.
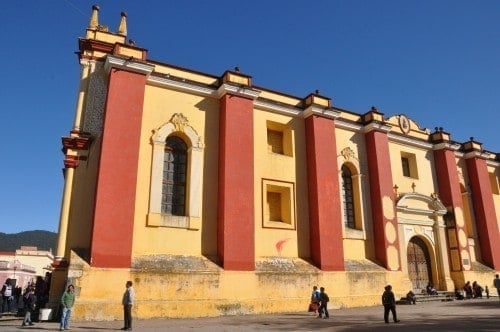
(404, 124)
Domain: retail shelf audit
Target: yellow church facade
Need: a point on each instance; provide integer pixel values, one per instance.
(218, 197)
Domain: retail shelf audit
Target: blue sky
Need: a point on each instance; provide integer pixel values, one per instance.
(435, 61)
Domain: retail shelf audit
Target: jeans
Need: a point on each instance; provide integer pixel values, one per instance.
(66, 314)
(27, 317)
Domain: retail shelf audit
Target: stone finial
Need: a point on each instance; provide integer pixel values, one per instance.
(94, 19)
(122, 28)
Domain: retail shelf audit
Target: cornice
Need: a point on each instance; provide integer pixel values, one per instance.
(278, 108)
(329, 112)
(409, 141)
(128, 64)
(348, 125)
(241, 91)
(378, 126)
(447, 146)
(492, 163)
(476, 154)
(182, 86)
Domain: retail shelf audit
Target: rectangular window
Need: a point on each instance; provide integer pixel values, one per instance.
(405, 163)
(278, 204)
(279, 138)
(274, 205)
(275, 141)
(409, 165)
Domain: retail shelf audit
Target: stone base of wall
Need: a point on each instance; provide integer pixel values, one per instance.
(186, 286)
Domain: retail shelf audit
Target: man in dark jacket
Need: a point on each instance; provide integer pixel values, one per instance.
(389, 302)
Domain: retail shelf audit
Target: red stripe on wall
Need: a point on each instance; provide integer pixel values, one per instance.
(117, 174)
(325, 218)
(381, 185)
(449, 185)
(235, 233)
(484, 211)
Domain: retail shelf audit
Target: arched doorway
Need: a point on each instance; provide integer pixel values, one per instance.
(419, 263)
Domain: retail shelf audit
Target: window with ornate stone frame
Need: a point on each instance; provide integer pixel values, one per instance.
(175, 162)
(179, 127)
(348, 201)
(278, 204)
(352, 195)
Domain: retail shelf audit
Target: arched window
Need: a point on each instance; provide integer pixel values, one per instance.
(174, 177)
(348, 198)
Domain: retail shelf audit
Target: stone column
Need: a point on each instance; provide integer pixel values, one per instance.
(118, 166)
(451, 196)
(484, 205)
(236, 206)
(385, 228)
(325, 216)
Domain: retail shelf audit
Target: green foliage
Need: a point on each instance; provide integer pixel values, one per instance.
(43, 240)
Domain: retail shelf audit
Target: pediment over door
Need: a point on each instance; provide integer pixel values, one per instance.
(415, 208)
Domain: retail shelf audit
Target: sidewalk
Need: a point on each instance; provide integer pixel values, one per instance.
(467, 315)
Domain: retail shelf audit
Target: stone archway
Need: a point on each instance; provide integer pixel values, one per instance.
(419, 263)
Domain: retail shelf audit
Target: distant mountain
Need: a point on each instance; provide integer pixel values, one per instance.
(43, 240)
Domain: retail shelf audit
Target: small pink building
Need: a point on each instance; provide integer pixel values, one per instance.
(14, 269)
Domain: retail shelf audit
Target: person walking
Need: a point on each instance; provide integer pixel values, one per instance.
(496, 283)
(67, 302)
(128, 302)
(7, 296)
(29, 299)
(389, 302)
(315, 298)
(323, 307)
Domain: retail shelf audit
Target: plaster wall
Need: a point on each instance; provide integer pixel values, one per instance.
(160, 105)
(281, 169)
(424, 181)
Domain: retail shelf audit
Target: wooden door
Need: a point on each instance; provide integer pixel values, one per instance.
(419, 263)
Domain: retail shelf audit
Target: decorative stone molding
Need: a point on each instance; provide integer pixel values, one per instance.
(177, 124)
(95, 101)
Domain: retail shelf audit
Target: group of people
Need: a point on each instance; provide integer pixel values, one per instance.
(474, 290)
(319, 302)
(35, 296)
(430, 289)
(68, 300)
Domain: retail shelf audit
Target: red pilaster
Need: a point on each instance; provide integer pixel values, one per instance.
(484, 210)
(117, 174)
(451, 196)
(382, 199)
(325, 218)
(235, 233)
